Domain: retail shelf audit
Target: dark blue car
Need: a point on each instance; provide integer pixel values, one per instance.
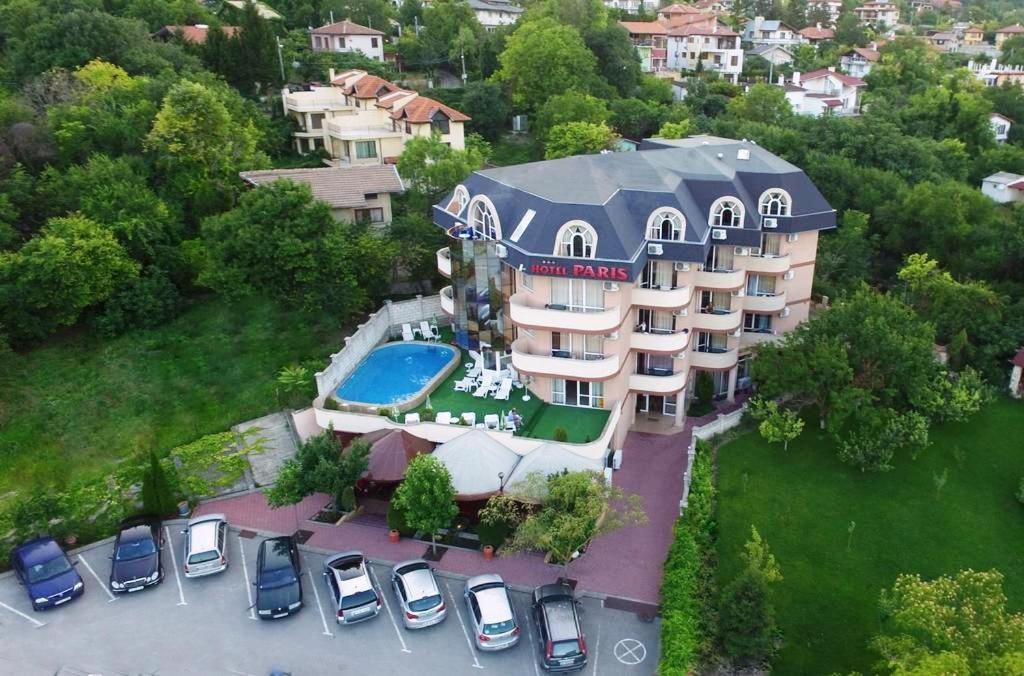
(45, 570)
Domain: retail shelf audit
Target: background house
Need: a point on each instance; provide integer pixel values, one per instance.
(1003, 187)
(1004, 34)
(494, 13)
(878, 14)
(650, 39)
(859, 60)
(348, 37)
(815, 35)
(775, 54)
(1000, 127)
(196, 34)
(760, 31)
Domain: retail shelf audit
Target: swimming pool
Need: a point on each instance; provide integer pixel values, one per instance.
(397, 372)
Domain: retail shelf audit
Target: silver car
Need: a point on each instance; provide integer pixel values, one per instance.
(490, 612)
(418, 594)
(348, 580)
(206, 545)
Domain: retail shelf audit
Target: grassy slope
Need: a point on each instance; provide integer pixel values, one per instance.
(803, 502)
(77, 405)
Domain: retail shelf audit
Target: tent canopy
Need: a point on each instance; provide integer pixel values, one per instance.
(474, 460)
(390, 453)
(552, 458)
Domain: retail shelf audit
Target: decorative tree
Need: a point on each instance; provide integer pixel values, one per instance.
(319, 466)
(427, 497)
(777, 425)
(157, 495)
(747, 622)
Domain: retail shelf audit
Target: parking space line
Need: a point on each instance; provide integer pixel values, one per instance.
(34, 621)
(174, 564)
(89, 568)
(533, 639)
(323, 619)
(458, 614)
(248, 584)
(597, 646)
(387, 607)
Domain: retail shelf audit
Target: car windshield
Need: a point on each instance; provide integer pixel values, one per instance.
(203, 557)
(565, 648)
(358, 599)
(48, 569)
(419, 605)
(126, 551)
(282, 577)
(499, 627)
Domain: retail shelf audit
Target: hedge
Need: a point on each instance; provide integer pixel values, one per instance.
(688, 589)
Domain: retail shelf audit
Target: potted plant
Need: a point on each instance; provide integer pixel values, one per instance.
(488, 552)
(394, 535)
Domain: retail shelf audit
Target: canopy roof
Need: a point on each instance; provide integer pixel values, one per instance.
(390, 453)
(550, 459)
(474, 460)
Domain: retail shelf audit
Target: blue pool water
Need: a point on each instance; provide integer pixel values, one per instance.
(393, 373)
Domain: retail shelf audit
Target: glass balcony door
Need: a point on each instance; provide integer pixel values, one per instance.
(712, 342)
(657, 275)
(577, 393)
(654, 321)
(577, 345)
(577, 295)
(654, 364)
(715, 302)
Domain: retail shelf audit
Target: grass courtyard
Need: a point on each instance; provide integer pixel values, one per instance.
(803, 502)
(77, 405)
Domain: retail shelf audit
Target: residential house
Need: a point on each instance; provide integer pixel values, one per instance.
(760, 31)
(975, 35)
(675, 14)
(715, 46)
(1004, 34)
(494, 13)
(716, 7)
(264, 10)
(918, 6)
(355, 194)
(196, 34)
(833, 7)
(815, 35)
(1000, 127)
(650, 38)
(858, 61)
(619, 291)
(363, 119)
(948, 6)
(348, 37)
(1003, 187)
(823, 92)
(993, 74)
(774, 54)
(631, 6)
(943, 41)
(878, 14)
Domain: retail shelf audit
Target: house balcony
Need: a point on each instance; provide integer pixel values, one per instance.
(448, 301)
(662, 298)
(444, 262)
(765, 303)
(561, 318)
(720, 281)
(724, 359)
(591, 368)
(316, 101)
(717, 321)
(660, 342)
(751, 338)
(770, 265)
(657, 384)
(360, 132)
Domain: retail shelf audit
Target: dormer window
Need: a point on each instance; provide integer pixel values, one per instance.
(440, 123)
(459, 200)
(775, 202)
(484, 219)
(576, 239)
(727, 212)
(666, 225)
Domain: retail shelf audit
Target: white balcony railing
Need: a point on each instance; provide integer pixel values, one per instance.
(717, 321)
(772, 265)
(721, 281)
(749, 338)
(765, 303)
(662, 297)
(713, 360)
(640, 382)
(555, 318)
(560, 367)
(444, 261)
(447, 301)
(670, 341)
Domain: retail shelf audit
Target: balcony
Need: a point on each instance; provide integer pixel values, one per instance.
(562, 367)
(717, 321)
(447, 301)
(662, 342)
(771, 265)
(359, 132)
(315, 101)
(720, 281)
(765, 303)
(662, 298)
(651, 384)
(444, 262)
(750, 338)
(713, 360)
(560, 318)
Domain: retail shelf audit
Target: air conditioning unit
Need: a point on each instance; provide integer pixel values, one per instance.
(501, 251)
(784, 313)
(755, 251)
(792, 237)
(681, 267)
(717, 233)
(789, 275)
(739, 293)
(655, 249)
(519, 124)
(770, 223)
(614, 335)
(741, 251)
(681, 313)
(610, 286)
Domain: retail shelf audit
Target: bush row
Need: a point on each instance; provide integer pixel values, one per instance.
(688, 596)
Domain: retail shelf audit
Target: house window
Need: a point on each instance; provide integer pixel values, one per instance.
(373, 42)
(715, 302)
(317, 120)
(408, 127)
(755, 322)
(760, 285)
(366, 149)
(666, 225)
(657, 275)
(576, 240)
(774, 203)
(459, 200)
(577, 393)
(771, 244)
(341, 43)
(727, 212)
(720, 259)
(712, 342)
(370, 196)
(440, 123)
(577, 295)
(654, 321)
(483, 219)
(375, 215)
(526, 281)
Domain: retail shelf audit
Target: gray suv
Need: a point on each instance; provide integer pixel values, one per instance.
(418, 594)
(490, 613)
(355, 599)
(563, 646)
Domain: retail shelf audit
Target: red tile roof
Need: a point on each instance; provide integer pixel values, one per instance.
(700, 29)
(815, 33)
(867, 54)
(1018, 359)
(847, 80)
(370, 87)
(1016, 28)
(195, 34)
(345, 27)
(422, 109)
(644, 27)
(678, 9)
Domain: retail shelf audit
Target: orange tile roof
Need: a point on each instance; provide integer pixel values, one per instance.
(345, 27)
(422, 109)
(196, 34)
(701, 29)
(1016, 28)
(369, 87)
(815, 33)
(644, 27)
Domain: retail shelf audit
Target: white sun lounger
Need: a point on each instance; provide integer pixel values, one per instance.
(485, 385)
(504, 389)
(426, 332)
(465, 385)
(407, 333)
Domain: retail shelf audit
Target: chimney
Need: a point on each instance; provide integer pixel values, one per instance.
(796, 78)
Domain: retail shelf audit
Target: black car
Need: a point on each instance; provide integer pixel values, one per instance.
(137, 562)
(278, 586)
(561, 639)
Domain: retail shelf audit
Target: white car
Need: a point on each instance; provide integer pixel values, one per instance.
(490, 613)
(206, 545)
(418, 594)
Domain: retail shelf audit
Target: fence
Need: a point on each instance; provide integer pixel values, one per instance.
(379, 326)
(723, 422)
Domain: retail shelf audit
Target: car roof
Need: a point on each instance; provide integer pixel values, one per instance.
(206, 517)
(277, 552)
(133, 533)
(419, 582)
(486, 578)
(202, 533)
(553, 591)
(38, 550)
(494, 604)
(561, 616)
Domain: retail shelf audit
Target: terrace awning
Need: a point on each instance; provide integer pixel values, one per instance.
(474, 460)
(551, 459)
(390, 453)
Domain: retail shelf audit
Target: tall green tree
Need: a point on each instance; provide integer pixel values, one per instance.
(617, 60)
(158, 496)
(844, 257)
(426, 497)
(320, 466)
(432, 168)
(577, 138)
(635, 118)
(570, 106)
(485, 103)
(762, 103)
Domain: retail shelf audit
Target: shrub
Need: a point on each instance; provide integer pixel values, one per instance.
(146, 302)
(396, 520)
(1020, 491)
(427, 415)
(331, 404)
(747, 619)
(705, 388)
(561, 434)
(347, 499)
(492, 534)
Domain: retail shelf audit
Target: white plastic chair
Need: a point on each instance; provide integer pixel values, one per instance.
(407, 333)
(469, 418)
(425, 331)
(465, 384)
(443, 418)
(491, 421)
(412, 418)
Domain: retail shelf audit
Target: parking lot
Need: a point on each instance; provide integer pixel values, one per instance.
(206, 626)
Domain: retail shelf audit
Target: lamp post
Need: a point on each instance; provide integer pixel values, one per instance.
(501, 482)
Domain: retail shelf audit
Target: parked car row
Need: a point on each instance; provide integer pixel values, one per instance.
(51, 580)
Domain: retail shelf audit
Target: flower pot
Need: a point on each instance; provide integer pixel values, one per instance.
(488, 552)
(71, 540)
(393, 535)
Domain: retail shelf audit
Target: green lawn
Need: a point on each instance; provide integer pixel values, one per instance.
(77, 405)
(804, 500)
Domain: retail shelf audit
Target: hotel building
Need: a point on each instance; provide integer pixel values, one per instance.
(617, 278)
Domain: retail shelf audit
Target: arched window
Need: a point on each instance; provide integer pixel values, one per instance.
(576, 239)
(667, 225)
(459, 200)
(484, 219)
(727, 212)
(775, 202)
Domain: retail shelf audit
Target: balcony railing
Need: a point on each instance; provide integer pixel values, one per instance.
(447, 301)
(720, 281)
(717, 321)
(721, 359)
(666, 298)
(591, 368)
(562, 318)
(748, 338)
(657, 384)
(772, 265)
(444, 261)
(315, 101)
(659, 341)
(765, 303)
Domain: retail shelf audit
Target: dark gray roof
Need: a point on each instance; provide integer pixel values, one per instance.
(495, 6)
(616, 192)
(340, 187)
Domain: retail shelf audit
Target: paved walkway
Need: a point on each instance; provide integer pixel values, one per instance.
(278, 445)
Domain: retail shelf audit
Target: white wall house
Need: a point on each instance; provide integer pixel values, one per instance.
(760, 31)
(494, 13)
(1003, 187)
(716, 47)
(823, 92)
(1000, 127)
(858, 61)
(345, 36)
(878, 13)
